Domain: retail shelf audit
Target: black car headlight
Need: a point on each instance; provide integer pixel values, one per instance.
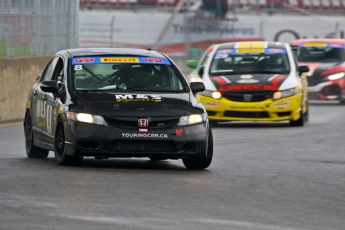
(213, 94)
(285, 93)
(87, 118)
(336, 76)
(192, 119)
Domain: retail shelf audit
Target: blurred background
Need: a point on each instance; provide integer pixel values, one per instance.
(177, 27)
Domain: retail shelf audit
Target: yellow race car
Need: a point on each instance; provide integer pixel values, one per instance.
(254, 81)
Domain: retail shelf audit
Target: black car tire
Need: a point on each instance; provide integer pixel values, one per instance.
(32, 151)
(204, 161)
(60, 149)
(214, 123)
(301, 120)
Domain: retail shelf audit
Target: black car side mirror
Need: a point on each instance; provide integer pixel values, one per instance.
(303, 69)
(197, 87)
(201, 71)
(49, 87)
(38, 77)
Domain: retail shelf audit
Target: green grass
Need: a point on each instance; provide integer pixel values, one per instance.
(16, 50)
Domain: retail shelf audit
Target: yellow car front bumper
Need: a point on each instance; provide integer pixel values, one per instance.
(288, 108)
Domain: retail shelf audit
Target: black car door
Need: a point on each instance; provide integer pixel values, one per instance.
(44, 103)
(55, 103)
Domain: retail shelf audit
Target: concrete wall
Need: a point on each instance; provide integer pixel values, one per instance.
(17, 75)
(16, 78)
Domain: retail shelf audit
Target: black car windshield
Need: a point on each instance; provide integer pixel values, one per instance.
(321, 52)
(125, 74)
(241, 61)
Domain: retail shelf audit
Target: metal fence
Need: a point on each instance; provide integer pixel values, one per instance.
(37, 27)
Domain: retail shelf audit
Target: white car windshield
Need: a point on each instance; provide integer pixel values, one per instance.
(241, 61)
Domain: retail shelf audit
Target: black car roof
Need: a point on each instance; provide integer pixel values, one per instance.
(113, 51)
(255, 45)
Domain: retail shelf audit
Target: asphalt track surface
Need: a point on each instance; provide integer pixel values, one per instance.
(264, 176)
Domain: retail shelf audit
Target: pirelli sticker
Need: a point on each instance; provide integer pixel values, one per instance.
(120, 60)
(137, 98)
(250, 51)
(319, 44)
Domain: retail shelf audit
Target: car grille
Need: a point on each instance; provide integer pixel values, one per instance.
(283, 114)
(243, 96)
(132, 122)
(244, 114)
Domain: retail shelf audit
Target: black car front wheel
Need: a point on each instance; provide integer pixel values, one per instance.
(204, 161)
(60, 148)
(32, 151)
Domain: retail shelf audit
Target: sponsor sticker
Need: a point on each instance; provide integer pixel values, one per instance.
(282, 105)
(337, 45)
(315, 44)
(246, 81)
(145, 135)
(120, 59)
(250, 51)
(246, 76)
(143, 130)
(28, 104)
(84, 60)
(248, 87)
(137, 98)
(61, 109)
(275, 51)
(153, 60)
(179, 132)
(225, 51)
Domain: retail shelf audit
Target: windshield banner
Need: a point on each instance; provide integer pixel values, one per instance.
(266, 51)
(322, 44)
(119, 60)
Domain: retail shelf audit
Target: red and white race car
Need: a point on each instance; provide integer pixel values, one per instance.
(326, 61)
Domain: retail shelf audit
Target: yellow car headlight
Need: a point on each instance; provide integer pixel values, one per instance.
(213, 94)
(285, 93)
(87, 118)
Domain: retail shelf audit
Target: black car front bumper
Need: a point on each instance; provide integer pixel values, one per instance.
(172, 142)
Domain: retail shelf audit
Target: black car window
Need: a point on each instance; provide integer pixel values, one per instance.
(49, 70)
(321, 53)
(242, 61)
(126, 74)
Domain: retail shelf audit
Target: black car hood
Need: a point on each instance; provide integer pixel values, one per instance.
(317, 69)
(248, 82)
(148, 104)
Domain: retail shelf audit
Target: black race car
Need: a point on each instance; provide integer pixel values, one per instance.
(116, 102)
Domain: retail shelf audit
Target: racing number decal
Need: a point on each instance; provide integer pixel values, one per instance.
(44, 111)
(40, 109)
(49, 118)
(78, 67)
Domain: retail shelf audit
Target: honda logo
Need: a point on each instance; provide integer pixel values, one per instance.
(247, 97)
(143, 122)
